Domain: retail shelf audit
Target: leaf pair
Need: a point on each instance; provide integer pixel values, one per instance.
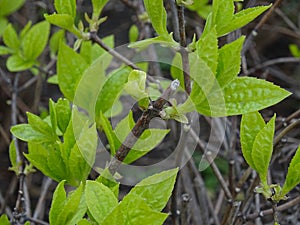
(26, 47)
(158, 17)
(142, 205)
(148, 140)
(257, 147)
(70, 160)
(257, 142)
(226, 20)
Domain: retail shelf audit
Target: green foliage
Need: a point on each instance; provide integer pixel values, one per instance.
(25, 48)
(67, 209)
(4, 220)
(293, 175)
(70, 160)
(226, 20)
(294, 49)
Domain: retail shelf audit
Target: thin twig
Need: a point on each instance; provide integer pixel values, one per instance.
(41, 202)
(282, 207)
(288, 119)
(273, 62)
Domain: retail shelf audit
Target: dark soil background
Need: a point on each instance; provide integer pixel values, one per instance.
(268, 57)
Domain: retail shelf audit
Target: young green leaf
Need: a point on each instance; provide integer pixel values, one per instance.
(4, 220)
(64, 21)
(41, 126)
(222, 13)
(55, 40)
(251, 125)
(156, 189)
(149, 139)
(133, 33)
(229, 61)
(176, 69)
(242, 95)
(35, 40)
(157, 15)
(70, 67)
(167, 41)
(109, 133)
(53, 117)
(293, 176)
(17, 63)
(137, 212)
(72, 208)
(98, 5)
(66, 7)
(100, 200)
(262, 150)
(207, 47)
(86, 51)
(109, 181)
(9, 6)
(242, 18)
(63, 112)
(25, 132)
(5, 51)
(111, 89)
(10, 38)
(58, 201)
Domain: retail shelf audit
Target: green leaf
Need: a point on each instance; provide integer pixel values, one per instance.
(53, 79)
(294, 49)
(66, 7)
(70, 67)
(40, 126)
(13, 153)
(63, 112)
(25, 29)
(86, 51)
(16, 63)
(207, 47)
(136, 87)
(35, 40)
(242, 18)
(98, 5)
(133, 33)
(229, 61)
(55, 40)
(262, 150)
(149, 139)
(251, 125)
(97, 51)
(137, 213)
(3, 25)
(111, 89)
(84, 222)
(109, 181)
(4, 220)
(5, 51)
(124, 127)
(110, 135)
(26, 133)
(38, 157)
(83, 154)
(293, 176)
(201, 7)
(10, 38)
(7, 7)
(58, 200)
(100, 200)
(157, 189)
(158, 16)
(166, 41)
(72, 209)
(176, 69)
(242, 95)
(64, 21)
(222, 15)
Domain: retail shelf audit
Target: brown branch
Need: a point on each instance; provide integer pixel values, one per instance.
(183, 51)
(141, 125)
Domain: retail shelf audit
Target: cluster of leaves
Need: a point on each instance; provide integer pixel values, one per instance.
(63, 145)
(257, 147)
